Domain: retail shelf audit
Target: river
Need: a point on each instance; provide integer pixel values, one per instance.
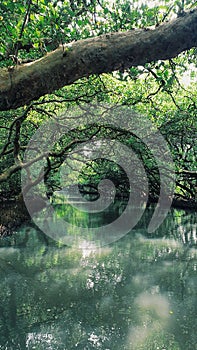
(138, 293)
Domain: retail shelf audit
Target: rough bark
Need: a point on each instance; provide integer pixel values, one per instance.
(22, 84)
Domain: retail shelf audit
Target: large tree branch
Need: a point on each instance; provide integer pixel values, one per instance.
(22, 84)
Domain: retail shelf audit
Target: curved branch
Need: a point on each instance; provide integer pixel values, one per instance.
(21, 84)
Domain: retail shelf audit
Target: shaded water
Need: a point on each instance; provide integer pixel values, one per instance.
(138, 293)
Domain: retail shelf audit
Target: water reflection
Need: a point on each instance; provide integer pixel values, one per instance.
(136, 294)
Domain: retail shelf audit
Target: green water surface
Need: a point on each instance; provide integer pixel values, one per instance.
(138, 293)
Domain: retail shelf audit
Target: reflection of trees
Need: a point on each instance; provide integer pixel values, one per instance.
(82, 299)
(179, 224)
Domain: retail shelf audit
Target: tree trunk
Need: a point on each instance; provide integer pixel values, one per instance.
(14, 213)
(106, 53)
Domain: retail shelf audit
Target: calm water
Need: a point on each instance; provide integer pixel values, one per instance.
(136, 294)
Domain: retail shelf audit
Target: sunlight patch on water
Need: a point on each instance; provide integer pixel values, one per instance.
(155, 303)
(154, 313)
(35, 339)
(87, 248)
(160, 242)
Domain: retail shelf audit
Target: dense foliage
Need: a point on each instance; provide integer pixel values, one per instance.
(165, 91)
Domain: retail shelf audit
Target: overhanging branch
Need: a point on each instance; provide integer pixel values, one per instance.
(22, 84)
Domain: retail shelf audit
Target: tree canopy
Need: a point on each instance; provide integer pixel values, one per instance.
(58, 55)
(101, 54)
